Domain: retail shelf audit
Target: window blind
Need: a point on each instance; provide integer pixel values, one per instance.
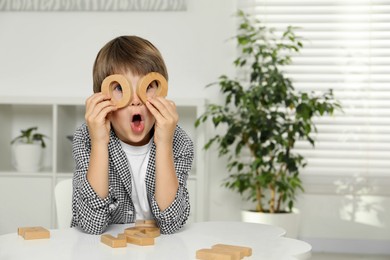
(346, 48)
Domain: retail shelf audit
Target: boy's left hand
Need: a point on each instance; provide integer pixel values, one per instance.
(164, 111)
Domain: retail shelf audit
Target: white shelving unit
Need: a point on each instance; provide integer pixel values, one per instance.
(27, 199)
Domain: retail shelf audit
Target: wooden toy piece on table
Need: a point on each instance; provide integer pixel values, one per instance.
(243, 250)
(223, 252)
(138, 239)
(114, 242)
(143, 234)
(149, 231)
(30, 233)
(210, 254)
(145, 223)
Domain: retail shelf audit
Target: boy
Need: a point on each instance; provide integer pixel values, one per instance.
(132, 162)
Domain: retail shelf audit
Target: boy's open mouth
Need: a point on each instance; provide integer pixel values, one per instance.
(136, 119)
(137, 124)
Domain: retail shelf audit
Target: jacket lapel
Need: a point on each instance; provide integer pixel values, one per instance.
(118, 161)
(150, 172)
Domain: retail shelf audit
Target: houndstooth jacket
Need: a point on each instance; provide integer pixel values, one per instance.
(93, 214)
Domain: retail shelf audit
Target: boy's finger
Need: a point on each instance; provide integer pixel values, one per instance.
(164, 106)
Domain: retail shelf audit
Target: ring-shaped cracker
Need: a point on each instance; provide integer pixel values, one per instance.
(144, 82)
(108, 85)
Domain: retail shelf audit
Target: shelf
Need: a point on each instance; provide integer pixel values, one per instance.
(20, 116)
(26, 174)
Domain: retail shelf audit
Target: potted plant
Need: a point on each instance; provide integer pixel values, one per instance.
(263, 117)
(27, 149)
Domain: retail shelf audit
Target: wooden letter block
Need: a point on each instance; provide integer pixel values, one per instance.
(29, 233)
(236, 255)
(114, 242)
(140, 239)
(150, 222)
(149, 231)
(210, 254)
(145, 223)
(244, 251)
(132, 230)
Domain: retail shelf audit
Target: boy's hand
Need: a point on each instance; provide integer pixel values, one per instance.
(97, 107)
(164, 111)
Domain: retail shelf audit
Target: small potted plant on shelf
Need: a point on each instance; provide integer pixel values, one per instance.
(264, 116)
(27, 150)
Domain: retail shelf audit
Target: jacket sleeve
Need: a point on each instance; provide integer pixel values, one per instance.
(89, 212)
(175, 216)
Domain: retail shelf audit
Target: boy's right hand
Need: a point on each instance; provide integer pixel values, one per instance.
(97, 107)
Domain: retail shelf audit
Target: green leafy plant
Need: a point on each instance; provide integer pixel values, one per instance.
(29, 136)
(264, 116)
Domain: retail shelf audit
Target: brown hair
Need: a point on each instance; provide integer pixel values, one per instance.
(127, 53)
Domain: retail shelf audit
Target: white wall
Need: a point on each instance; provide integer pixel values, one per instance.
(51, 54)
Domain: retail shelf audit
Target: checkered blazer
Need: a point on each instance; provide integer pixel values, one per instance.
(93, 214)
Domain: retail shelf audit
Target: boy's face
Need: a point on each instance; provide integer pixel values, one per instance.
(132, 123)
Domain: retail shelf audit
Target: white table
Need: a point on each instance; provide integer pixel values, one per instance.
(71, 244)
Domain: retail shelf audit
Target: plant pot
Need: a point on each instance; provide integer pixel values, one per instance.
(27, 157)
(288, 221)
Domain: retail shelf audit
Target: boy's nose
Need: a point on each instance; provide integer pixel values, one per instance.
(135, 100)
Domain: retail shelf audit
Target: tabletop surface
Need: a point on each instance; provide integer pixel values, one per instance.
(267, 242)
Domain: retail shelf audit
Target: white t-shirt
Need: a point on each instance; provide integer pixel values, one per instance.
(138, 158)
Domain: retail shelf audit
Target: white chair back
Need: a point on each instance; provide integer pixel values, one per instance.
(63, 197)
